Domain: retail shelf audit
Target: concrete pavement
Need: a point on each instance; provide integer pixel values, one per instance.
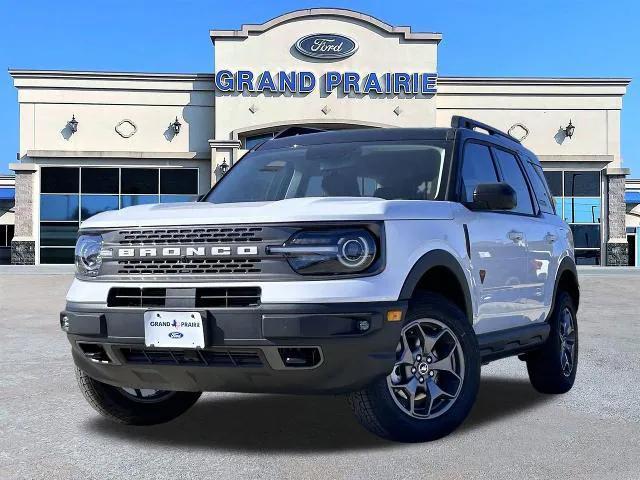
(48, 431)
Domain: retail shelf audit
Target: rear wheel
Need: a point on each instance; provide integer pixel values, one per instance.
(552, 368)
(134, 406)
(434, 381)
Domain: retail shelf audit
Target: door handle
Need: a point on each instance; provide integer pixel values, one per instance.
(550, 238)
(516, 236)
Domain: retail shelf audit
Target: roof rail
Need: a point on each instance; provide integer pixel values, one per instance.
(464, 122)
(297, 130)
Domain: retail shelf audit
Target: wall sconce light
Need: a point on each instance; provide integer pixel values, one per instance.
(223, 166)
(569, 129)
(73, 124)
(175, 127)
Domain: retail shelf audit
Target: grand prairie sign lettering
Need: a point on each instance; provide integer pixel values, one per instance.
(304, 82)
(327, 46)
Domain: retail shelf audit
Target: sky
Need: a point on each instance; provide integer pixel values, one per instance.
(569, 38)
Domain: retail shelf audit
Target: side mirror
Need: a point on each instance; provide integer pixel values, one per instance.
(494, 196)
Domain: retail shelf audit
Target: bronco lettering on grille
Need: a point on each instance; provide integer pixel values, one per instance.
(192, 251)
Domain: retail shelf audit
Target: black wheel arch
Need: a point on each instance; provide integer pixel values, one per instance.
(566, 280)
(429, 262)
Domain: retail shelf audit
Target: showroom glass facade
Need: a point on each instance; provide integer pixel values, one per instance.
(578, 199)
(69, 195)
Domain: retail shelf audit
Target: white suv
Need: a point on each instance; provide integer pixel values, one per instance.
(388, 264)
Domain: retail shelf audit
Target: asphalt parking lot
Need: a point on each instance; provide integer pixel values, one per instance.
(47, 430)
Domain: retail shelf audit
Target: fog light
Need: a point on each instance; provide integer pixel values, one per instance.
(64, 323)
(394, 315)
(364, 325)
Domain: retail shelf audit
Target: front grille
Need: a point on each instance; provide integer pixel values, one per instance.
(204, 358)
(167, 266)
(206, 297)
(173, 236)
(221, 297)
(136, 297)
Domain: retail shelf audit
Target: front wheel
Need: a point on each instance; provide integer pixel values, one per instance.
(134, 406)
(434, 381)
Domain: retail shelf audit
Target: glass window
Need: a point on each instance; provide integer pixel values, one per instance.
(10, 233)
(477, 167)
(582, 210)
(513, 175)
(56, 255)
(59, 207)
(3, 236)
(545, 202)
(401, 170)
(100, 180)
(60, 180)
(179, 181)
(139, 180)
(132, 200)
(558, 203)
(255, 140)
(177, 198)
(587, 257)
(586, 236)
(581, 184)
(93, 204)
(554, 180)
(58, 234)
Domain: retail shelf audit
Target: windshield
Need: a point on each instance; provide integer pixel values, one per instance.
(407, 170)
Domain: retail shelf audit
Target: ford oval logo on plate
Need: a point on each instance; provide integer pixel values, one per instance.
(176, 335)
(326, 46)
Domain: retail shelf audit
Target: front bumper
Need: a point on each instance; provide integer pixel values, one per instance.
(246, 348)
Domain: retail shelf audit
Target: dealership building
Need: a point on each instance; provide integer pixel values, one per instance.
(96, 141)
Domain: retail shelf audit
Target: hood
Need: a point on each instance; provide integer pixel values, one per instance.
(314, 209)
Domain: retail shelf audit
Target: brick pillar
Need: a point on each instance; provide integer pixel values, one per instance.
(23, 245)
(617, 246)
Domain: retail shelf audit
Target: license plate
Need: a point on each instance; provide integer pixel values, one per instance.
(173, 329)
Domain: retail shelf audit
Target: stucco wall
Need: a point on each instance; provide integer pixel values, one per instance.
(100, 101)
(544, 107)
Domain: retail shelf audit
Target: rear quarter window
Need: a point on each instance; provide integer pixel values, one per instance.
(540, 188)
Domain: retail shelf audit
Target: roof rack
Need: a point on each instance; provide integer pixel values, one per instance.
(463, 122)
(297, 130)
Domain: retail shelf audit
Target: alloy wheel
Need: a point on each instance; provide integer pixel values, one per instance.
(567, 341)
(146, 395)
(429, 370)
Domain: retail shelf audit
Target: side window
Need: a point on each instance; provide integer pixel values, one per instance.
(477, 167)
(514, 176)
(540, 187)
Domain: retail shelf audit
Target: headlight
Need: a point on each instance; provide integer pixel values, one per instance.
(88, 258)
(329, 252)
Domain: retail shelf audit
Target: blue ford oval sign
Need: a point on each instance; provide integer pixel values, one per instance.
(327, 46)
(176, 335)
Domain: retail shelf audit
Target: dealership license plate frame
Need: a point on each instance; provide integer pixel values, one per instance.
(180, 322)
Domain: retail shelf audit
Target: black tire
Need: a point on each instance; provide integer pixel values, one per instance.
(118, 406)
(547, 371)
(381, 414)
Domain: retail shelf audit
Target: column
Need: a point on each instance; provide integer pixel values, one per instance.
(23, 245)
(617, 246)
(222, 152)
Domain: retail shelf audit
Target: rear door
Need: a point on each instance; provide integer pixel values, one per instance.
(539, 262)
(497, 247)
(547, 232)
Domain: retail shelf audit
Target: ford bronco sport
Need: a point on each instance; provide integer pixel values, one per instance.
(386, 264)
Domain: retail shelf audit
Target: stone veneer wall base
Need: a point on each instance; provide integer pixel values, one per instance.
(23, 252)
